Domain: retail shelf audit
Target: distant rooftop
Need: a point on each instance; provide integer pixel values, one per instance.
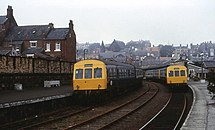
(3, 19)
(34, 32)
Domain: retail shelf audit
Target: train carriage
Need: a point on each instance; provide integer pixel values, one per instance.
(171, 75)
(95, 75)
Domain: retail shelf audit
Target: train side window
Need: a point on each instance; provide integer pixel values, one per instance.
(98, 73)
(182, 72)
(109, 72)
(176, 73)
(88, 74)
(129, 73)
(170, 73)
(79, 74)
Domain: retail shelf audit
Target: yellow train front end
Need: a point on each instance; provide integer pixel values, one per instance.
(89, 75)
(176, 75)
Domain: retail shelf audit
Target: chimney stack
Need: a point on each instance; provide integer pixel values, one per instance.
(71, 25)
(9, 11)
(51, 25)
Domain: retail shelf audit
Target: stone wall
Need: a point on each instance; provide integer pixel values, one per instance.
(32, 65)
(32, 72)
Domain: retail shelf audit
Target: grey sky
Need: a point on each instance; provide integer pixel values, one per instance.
(160, 21)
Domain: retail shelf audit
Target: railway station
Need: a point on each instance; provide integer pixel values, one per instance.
(22, 97)
(48, 80)
(200, 116)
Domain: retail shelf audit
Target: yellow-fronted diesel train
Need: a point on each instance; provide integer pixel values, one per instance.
(98, 75)
(171, 75)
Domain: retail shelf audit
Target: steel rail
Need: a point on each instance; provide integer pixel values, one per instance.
(103, 114)
(142, 128)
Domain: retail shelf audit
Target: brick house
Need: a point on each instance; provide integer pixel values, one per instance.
(58, 43)
(6, 23)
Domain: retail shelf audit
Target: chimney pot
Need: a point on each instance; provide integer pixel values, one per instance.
(51, 25)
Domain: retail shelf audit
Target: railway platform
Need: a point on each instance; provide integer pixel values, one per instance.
(202, 114)
(9, 98)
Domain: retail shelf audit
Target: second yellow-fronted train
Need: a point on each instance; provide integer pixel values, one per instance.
(171, 75)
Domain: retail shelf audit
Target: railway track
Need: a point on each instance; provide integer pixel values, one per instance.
(121, 113)
(170, 116)
(112, 116)
(73, 120)
(43, 119)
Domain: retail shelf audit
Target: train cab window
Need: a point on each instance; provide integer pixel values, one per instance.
(170, 73)
(176, 73)
(98, 73)
(88, 74)
(79, 74)
(182, 72)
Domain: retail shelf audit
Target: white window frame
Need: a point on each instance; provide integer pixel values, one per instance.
(33, 44)
(17, 49)
(48, 47)
(30, 55)
(57, 46)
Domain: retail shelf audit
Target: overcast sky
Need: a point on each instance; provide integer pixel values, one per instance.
(160, 21)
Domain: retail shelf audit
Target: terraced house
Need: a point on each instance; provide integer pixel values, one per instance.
(43, 41)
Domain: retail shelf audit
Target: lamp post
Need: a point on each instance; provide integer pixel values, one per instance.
(202, 77)
(85, 51)
(202, 64)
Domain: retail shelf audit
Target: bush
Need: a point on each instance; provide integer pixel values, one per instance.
(211, 82)
(211, 88)
(196, 78)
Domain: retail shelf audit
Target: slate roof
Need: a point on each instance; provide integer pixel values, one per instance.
(121, 44)
(34, 32)
(4, 52)
(140, 53)
(16, 43)
(58, 33)
(3, 19)
(209, 64)
(116, 46)
(33, 50)
(109, 55)
(44, 56)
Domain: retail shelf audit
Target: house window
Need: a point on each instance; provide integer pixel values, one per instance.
(57, 46)
(48, 46)
(33, 44)
(17, 49)
(30, 55)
